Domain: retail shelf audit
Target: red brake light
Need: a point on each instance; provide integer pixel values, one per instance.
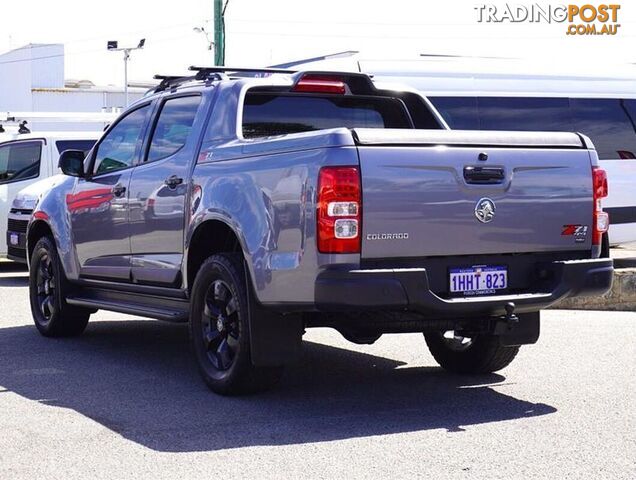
(600, 222)
(600, 183)
(311, 83)
(339, 210)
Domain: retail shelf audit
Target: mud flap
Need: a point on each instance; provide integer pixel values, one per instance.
(275, 338)
(523, 332)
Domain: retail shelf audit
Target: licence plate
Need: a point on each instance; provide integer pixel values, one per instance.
(479, 280)
(14, 239)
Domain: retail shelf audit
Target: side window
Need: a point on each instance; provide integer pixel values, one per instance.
(19, 161)
(173, 127)
(608, 123)
(117, 149)
(459, 112)
(524, 114)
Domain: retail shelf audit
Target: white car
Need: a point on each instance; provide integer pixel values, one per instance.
(25, 161)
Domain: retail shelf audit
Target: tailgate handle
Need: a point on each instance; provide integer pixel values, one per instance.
(483, 175)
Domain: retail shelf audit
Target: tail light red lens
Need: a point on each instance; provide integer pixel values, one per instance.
(339, 214)
(320, 84)
(600, 223)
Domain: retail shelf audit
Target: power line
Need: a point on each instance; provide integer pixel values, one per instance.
(412, 37)
(388, 24)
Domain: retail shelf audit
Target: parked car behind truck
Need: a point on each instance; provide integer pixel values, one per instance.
(317, 199)
(25, 160)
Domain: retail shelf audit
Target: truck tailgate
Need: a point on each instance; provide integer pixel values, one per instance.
(434, 193)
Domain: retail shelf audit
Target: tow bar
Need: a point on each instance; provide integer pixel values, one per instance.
(515, 330)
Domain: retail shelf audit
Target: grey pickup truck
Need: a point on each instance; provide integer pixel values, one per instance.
(256, 204)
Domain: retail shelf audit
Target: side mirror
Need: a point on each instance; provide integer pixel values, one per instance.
(72, 163)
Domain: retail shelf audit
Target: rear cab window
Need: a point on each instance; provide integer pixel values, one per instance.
(269, 114)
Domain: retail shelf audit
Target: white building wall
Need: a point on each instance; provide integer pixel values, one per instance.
(32, 80)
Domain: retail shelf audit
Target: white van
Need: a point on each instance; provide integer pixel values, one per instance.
(516, 94)
(24, 160)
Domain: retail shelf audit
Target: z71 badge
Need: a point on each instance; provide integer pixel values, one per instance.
(579, 232)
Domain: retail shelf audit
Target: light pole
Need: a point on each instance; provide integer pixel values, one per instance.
(114, 47)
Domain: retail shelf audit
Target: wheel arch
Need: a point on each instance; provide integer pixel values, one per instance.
(210, 237)
(38, 229)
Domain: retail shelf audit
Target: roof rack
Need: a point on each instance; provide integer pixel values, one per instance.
(204, 72)
(168, 81)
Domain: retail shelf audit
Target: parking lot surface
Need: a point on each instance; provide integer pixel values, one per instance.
(125, 401)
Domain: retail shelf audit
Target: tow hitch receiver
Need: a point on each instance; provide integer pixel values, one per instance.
(510, 316)
(514, 329)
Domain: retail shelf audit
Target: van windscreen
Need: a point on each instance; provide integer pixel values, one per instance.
(268, 114)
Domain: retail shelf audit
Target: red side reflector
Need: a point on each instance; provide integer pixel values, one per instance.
(339, 227)
(320, 84)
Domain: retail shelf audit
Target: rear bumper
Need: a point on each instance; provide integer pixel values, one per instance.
(408, 289)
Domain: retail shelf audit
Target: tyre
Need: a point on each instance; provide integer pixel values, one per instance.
(480, 354)
(48, 288)
(219, 329)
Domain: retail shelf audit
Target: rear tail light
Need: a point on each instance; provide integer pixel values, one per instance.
(339, 210)
(312, 83)
(600, 222)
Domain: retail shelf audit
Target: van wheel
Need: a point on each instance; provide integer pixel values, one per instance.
(479, 354)
(219, 329)
(48, 288)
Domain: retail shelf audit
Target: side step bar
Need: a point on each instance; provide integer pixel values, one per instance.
(151, 306)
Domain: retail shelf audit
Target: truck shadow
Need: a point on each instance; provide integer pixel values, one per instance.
(137, 378)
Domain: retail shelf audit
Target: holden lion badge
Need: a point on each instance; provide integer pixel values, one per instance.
(485, 210)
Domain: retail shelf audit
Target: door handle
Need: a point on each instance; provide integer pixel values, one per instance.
(118, 190)
(483, 175)
(172, 181)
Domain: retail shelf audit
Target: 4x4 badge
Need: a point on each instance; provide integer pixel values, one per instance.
(485, 210)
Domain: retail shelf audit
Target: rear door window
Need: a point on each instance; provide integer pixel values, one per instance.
(19, 161)
(608, 124)
(268, 114)
(173, 126)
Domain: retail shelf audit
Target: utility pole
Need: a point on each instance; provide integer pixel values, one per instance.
(219, 31)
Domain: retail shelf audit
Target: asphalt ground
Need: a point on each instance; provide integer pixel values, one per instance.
(125, 401)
